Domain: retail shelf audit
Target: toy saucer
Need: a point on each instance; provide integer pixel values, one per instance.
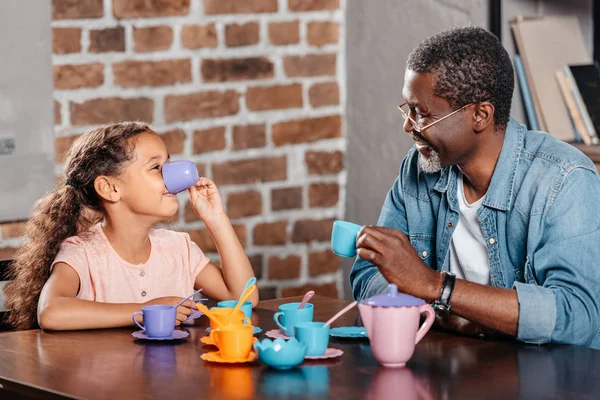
(174, 336)
(329, 353)
(276, 334)
(349, 332)
(215, 356)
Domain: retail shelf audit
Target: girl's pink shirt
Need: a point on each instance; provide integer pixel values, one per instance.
(171, 270)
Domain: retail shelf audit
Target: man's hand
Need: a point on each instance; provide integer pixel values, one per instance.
(391, 251)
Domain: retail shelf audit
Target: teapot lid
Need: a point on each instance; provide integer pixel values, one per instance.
(393, 299)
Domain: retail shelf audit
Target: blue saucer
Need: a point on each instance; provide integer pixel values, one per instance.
(255, 331)
(349, 332)
(176, 335)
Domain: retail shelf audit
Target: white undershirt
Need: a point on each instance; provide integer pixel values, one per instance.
(468, 252)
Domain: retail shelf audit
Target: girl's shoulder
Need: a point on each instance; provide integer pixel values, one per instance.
(91, 242)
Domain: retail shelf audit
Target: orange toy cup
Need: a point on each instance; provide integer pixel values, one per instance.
(226, 319)
(235, 342)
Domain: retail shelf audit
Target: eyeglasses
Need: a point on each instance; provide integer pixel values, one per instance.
(417, 126)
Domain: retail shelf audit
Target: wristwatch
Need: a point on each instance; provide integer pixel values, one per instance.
(443, 301)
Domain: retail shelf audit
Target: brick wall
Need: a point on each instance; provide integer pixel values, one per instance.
(251, 90)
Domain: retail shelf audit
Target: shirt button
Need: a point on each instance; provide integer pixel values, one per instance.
(424, 254)
(492, 241)
(144, 293)
(450, 224)
(142, 273)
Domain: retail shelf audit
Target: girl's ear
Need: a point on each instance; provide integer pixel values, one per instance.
(107, 188)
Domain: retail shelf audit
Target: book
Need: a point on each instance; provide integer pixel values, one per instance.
(546, 45)
(587, 83)
(581, 132)
(526, 94)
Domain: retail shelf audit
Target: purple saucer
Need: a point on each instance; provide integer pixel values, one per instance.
(174, 336)
(194, 315)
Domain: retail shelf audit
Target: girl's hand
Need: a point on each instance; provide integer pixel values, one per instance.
(205, 199)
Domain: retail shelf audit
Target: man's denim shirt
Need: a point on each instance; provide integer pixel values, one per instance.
(541, 223)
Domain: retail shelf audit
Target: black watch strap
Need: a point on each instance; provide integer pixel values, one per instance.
(443, 301)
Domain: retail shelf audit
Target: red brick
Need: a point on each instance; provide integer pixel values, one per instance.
(286, 198)
(244, 204)
(66, 40)
(57, 113)
(267, 293)
(274, 97)
(313, 5)
(61, 147)
(236, 69)
(251, 171)
(198, 36)
(107, 40)
(78, 76)
(201, 105)
(326, 289)
(257, 261)
(150, 8)
(270, 234)
(239, 7)
(284, 33)
(284, 267)
(153, 38)
(111, 109)
(207, 140)
(312, 230)
(13, 229)
(324, 94)
(237, 35)
(7, 253)
(204, 240)
(323, 262)
(321, 33)
(249, 136)
(131, 74)
(307, 130)
(174, 140)
(309, 65)
(324, 162)
(77, 9)
(323, 194)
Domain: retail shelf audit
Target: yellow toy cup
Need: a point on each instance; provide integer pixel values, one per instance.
(235, 341)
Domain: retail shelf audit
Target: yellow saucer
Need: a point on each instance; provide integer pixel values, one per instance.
(207, 340)
(215, 356)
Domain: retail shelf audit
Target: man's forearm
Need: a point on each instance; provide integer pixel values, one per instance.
(493, 308)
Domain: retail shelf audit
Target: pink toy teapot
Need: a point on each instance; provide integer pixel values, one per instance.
(392, 323)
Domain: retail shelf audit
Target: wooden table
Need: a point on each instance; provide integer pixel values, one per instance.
(110, 364)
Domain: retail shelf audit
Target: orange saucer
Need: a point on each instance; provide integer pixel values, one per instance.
(207, 340)
(215, 356)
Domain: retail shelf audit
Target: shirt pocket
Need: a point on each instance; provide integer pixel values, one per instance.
(529, 273)
(424, 245)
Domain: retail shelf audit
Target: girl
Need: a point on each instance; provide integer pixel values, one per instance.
(91, 257)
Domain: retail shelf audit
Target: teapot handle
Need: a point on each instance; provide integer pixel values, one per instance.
(425, 308)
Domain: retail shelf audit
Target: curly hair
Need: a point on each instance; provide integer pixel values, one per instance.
(67, 211)
(469, 65)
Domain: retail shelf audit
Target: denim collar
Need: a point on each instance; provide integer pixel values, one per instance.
(499, 193)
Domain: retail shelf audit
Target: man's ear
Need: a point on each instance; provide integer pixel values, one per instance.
(483, 115)
(107, 188)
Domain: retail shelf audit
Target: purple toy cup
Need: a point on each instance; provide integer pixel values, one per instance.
(179, 175)
(159, 320)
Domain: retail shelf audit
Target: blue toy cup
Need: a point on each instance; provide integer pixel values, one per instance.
(179, 175)
(289, 315)
(343, 238)
(246, 307)
(314, 335)
(159, 320)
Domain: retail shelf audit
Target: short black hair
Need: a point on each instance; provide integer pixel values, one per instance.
(470, 65)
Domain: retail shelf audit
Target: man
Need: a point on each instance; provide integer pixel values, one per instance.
(498, 226)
